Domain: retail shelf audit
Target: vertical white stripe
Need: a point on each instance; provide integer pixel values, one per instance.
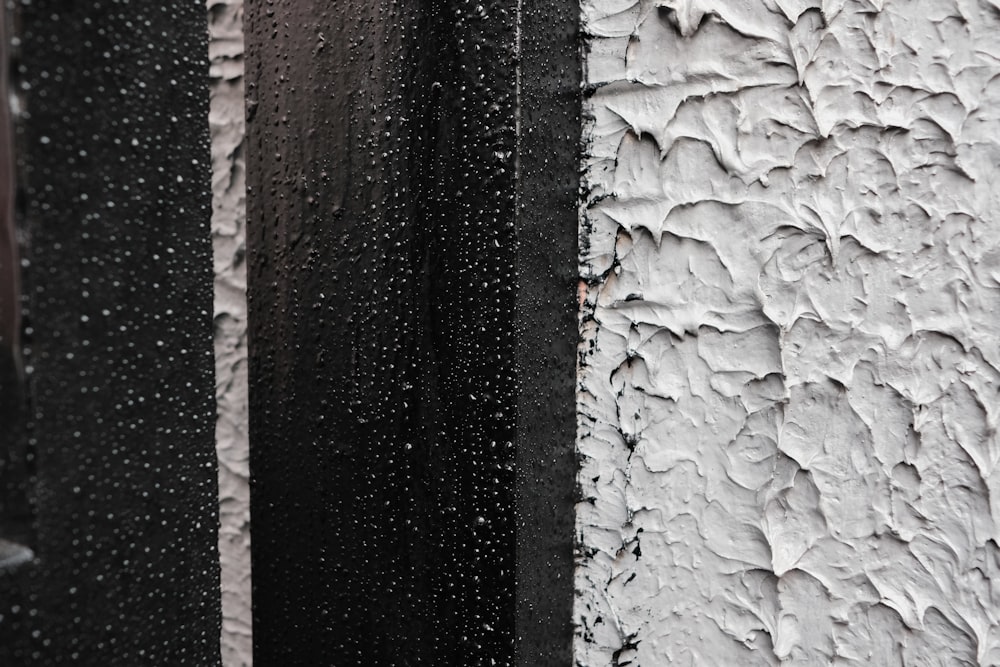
(789, 398)
(226, 119)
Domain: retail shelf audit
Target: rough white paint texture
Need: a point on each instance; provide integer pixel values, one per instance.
(226, 119)
(789, 375)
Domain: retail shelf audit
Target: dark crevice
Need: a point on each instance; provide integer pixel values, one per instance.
(16, 458)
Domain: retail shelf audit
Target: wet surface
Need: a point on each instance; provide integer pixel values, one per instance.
(116, 211)
(380, 167)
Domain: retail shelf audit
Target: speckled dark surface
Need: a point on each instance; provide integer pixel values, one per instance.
(388, 333)
(117, 202)
(545, 328)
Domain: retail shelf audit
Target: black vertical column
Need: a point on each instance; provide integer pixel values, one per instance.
(545, 322)
(115, 190)
(385, 330)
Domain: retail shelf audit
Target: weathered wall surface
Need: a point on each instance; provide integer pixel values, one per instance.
(788, 408)
(226, 120)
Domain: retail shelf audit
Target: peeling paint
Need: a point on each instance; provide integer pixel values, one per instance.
(226, 120)
(789, 378)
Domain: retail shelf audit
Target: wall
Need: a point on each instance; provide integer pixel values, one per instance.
(380, 243)
(114, 178)
(789, 366)
(227, 126)
(788, 377)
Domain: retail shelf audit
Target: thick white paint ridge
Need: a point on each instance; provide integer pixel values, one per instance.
(789, 379)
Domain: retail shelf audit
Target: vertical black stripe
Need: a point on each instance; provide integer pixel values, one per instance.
(15, 464)
(385, 332)
(546, 326)
(380, 209)
(117, 205)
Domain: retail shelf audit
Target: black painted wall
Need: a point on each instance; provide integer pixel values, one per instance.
(115, 190)
(392, 332)
(545, 329)
(380, 179)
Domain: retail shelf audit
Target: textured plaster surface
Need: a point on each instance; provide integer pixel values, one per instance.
(226, 119)
(789, 370)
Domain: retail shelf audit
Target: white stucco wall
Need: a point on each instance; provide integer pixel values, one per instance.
(789, 371)
(226, 120)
